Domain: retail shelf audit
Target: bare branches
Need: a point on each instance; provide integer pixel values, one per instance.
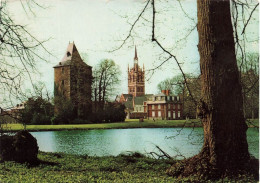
(166, 51)
(132, 27)
(243, 31)
(19, 53)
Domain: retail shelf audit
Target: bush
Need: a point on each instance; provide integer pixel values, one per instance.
(113, 112)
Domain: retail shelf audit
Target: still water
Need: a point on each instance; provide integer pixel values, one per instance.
(174, 141)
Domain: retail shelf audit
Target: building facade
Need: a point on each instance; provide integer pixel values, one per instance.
(72, 82)
(163, 106)
(136, 79)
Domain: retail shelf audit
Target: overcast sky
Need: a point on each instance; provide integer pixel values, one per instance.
(97, 26)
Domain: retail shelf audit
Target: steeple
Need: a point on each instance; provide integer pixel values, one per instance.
(135, 58)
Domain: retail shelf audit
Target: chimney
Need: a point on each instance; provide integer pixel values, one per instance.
(164, 91)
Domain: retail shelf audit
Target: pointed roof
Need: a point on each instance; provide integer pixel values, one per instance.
(70, 51)
(136, 58)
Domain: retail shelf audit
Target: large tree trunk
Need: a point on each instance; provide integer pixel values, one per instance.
(222, 104)
(225, 145)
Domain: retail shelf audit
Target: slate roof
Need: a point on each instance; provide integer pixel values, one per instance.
(129, 104)
(67, 59)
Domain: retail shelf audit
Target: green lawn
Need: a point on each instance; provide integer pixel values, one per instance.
(57, 167)
(133, 123)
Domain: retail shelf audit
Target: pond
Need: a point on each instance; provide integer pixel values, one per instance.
(174, 141)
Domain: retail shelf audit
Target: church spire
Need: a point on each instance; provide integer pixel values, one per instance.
(136, 58)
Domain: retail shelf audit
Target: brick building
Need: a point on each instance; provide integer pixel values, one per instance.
(163, 106)
(72, 82)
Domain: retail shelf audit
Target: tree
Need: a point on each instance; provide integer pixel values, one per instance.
(174, 84)
(18, 57)
(225, 147)
(250, 84)
(106, 78)
(37, 111)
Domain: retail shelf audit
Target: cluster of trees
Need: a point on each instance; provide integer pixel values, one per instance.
(190, 91)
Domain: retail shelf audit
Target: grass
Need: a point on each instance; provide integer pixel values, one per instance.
(57, 167)
(119, 125)
(132, 123)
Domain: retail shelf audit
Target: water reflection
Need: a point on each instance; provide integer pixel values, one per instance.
(174, 141)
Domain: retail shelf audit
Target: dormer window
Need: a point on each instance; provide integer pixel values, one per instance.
(68, 54)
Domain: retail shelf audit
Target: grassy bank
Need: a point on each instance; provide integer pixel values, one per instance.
(56, 167)
(127, 124)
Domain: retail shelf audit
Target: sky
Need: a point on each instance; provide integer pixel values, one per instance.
(98, 26)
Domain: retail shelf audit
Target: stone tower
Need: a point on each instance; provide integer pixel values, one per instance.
(72, 82)
(136, 78)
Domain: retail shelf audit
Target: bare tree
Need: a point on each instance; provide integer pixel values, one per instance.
(18, 56)
(106, 79)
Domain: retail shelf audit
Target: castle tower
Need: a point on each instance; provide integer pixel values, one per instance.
(136, 78)
(72, 83)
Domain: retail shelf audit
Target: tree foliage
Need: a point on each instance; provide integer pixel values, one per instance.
(37, 111)
(112, 112)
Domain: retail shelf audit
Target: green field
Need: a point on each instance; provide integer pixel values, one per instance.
(57, 167)
(127, 124)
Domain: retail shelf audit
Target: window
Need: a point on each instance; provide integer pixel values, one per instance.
(178, 98)
(159, 98)
(174, 106)
(152, 106)
(159, 114)
(159, 106)
(153, 114)
(169, 114)
(62, 70)
(169, 106)
(174, 117)
(168, 98)
(179, 114)
(179, 106)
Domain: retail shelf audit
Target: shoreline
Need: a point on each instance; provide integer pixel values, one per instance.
(129, 124)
